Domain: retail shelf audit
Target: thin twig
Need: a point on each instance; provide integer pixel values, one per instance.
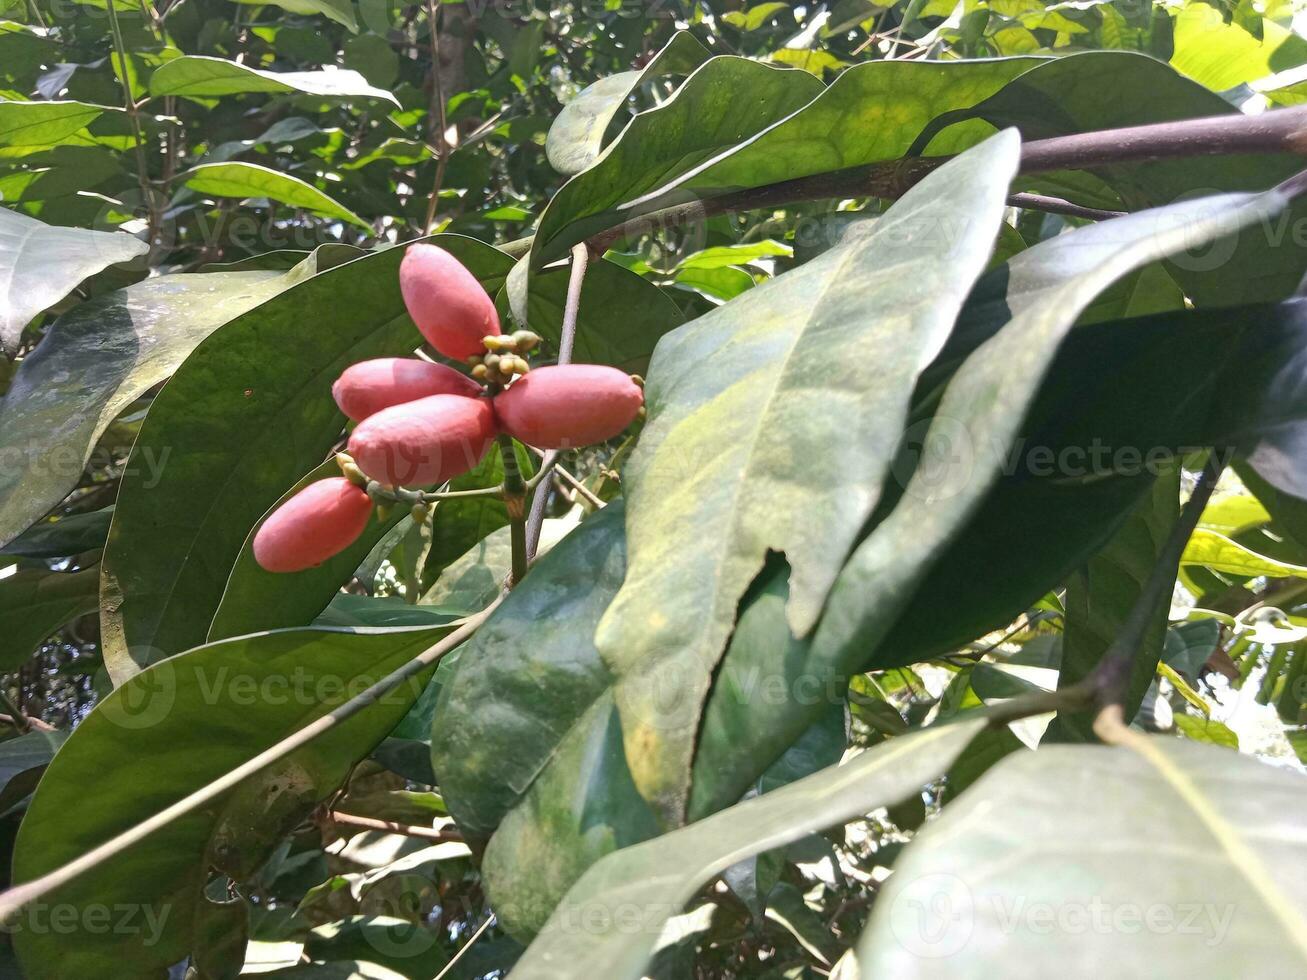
(15, 899)
(515, 503)
(1280, 131)
(566, 343)
(142, 172)
(580, 488)
(1056, 205)
(391, 827)
(453, 960)
(16, 717)
(438, 111)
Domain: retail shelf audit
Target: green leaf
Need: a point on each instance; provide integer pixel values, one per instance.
(576, 137)
(724, 256)
(1223, 56)
(704, 118)
(411, 949)
(1100, 597)
(34, 603)
(41, 264)
(1048, 286)
(1206, 730)
(1083, 854)
(1221, 554)
(91, 365)
(1288, 512)
(748, 409)
(706, 141)
(27, 126)
(528, 676)
(341, 11)
(255, 599)
(658, 877)
(201, 76)
(22, 761)
(256, 396)
(245, 180)
(63, 536)
(169, 731)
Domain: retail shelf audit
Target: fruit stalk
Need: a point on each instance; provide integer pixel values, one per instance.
(515, 502)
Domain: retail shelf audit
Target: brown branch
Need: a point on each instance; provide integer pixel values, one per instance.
(1280, 131)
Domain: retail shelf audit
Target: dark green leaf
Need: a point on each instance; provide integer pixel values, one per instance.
(749, 407)
(658, 877)
(1117, 879)
(170, 730)
(92, 364)
(34, 603)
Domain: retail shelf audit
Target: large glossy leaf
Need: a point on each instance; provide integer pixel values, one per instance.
(244, 180)
(41, 264)
(246, 416)
(255, 599)
(1100, 597)
(954, 596)
(1180, 860)
(528, 676)
(984, 404)
(655, 879)
(198, 75)
(167, 732)
(706, 141)
(35, 603)
(576, 136)
(91, 365)
(749, 410)
(705, 117)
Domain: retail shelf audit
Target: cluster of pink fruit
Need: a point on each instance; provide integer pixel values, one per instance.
(422, 423)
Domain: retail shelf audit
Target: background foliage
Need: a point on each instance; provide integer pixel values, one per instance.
(832, 536)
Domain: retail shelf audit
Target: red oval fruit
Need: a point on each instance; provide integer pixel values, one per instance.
(367, 387)
(423, 442)
(321, 520)
(446, 302)
(568, 405)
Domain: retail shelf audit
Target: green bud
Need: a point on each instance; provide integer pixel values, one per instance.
(350, 471)
(474, 360)
(496, 343)
(526, 341)
(480, 372)
(491, 362)
(420, 512)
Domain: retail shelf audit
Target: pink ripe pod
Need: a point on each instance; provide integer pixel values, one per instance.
(424, 442)
(321, 520)
(446, 302)
(568, 405)
(369, 386)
